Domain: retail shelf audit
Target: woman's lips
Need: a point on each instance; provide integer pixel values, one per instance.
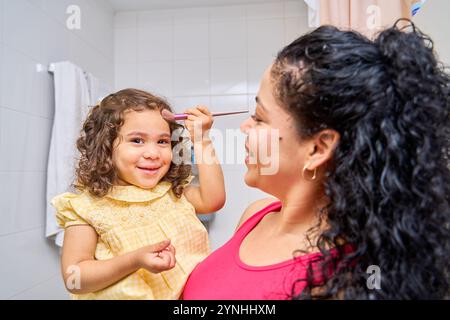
(248, 155)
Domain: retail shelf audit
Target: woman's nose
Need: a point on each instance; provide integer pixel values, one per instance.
(245, 126)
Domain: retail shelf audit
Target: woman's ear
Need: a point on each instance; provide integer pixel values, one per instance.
(322, 148)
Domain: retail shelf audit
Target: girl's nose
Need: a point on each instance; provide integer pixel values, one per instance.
(151, 153)
(246, 125)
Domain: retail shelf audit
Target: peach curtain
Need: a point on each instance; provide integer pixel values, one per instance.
(365, 16)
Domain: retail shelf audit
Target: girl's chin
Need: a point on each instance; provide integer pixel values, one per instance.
(147, 186)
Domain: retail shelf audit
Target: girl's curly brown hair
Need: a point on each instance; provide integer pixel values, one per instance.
(95, 171)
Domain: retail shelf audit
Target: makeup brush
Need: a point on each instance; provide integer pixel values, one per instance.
(169, 116)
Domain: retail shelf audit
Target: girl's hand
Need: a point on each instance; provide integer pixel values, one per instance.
(157, 257)
(198, 123)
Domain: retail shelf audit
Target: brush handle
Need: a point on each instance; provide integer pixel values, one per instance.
(180, 116)
(184, 116)
(218, 114)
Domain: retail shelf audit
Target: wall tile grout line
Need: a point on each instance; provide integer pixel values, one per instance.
(4, 235)
(32, 287)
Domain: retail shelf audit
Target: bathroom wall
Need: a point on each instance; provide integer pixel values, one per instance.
(433, 20)
(34, 32)
(213, 56)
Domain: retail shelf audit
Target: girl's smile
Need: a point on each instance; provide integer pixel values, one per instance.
(142, 152)
(149, 170)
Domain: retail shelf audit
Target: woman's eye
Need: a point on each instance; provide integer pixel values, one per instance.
(163, 142)
(256, 119)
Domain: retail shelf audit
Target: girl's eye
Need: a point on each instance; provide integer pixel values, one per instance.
(163, 142)
(137, 140)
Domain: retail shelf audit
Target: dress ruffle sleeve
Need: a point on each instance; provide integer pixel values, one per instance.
(66, 215)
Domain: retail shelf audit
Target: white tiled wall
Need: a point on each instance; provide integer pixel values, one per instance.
(433, 20)
(213, 56)
(34, 32)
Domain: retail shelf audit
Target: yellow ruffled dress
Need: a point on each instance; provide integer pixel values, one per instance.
(129, 218)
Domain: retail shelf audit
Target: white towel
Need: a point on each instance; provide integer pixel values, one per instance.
(313, 13)
(75, 92)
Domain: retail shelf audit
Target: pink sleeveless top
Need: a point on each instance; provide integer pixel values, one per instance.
(223, 276)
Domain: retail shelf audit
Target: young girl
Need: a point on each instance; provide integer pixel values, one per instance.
(135, 207)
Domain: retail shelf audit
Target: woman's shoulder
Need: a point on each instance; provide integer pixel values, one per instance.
(253, 208)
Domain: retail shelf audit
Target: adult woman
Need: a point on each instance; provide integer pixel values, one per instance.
(362, 182)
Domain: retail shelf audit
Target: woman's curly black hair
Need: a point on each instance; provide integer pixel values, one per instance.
(95, 171)
(389, 181)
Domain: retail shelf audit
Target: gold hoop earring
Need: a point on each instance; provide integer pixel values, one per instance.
(314, 175)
